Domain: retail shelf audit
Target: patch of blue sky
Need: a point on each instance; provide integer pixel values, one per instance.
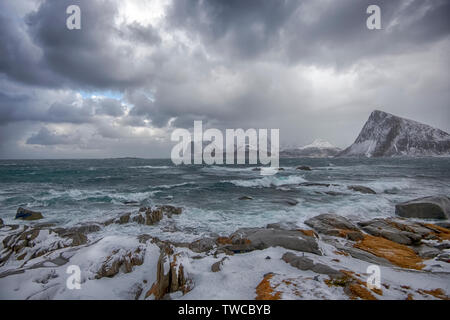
(108, 94)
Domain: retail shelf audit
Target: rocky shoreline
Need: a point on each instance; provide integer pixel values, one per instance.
(325, 259)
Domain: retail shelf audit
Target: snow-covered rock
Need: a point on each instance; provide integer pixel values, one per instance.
(386, 135)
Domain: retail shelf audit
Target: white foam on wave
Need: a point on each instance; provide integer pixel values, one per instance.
(150, 167)
(227, 169)
(267, 182)
(390, 185)
(170, 186)
(79, 195)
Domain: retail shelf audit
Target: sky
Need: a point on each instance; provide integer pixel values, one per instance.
(139, 69)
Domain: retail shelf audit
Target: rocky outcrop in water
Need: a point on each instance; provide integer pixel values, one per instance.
(25, 214)
(361, 189)
(386, 135)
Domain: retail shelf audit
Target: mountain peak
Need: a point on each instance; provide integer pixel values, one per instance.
(319, 143)
(385, 135)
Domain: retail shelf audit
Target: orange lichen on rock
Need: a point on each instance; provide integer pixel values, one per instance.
(410, 297)
(223, 240)
(153, 290)
(358, 291)
(344, 232)
(377, 291)
(440, 233)
(437, 293)
(309, 233)
(341, 253)
(264, 290)
(396, 253)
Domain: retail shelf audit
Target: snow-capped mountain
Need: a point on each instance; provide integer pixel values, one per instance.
(318, 149)
(386, 135)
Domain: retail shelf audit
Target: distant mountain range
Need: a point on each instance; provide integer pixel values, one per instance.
(386, 135)
(318, 149)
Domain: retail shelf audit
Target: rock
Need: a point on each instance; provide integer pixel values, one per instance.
(169, 210)
(361, 189)
(334, 193)
(395, 253)
(248, 239)
(77, 237)
(282, 225)
(123, 219)
(121, 259)
(445, 224)
(25, 214)
(245, 198)
(334, 225)
(217, 266)
(402, 232)
(289, 202)
(29, 243)
(153, 216)
(138, 218)
(171, 274)
(131, 203)
(445, 257)
(426, 252)
(202, 245)
(315, 184)
(85, 228)
(304, 263)
(150, 216)
(363, 255)
(1, 223)
(304, 168)
(434, 207)
(143, 238)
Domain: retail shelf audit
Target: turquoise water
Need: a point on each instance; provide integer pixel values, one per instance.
(68, 192)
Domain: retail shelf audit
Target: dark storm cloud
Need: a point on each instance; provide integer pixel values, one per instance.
(88, 57)
(20, 59)
(312, 31)
(46, 137)
(40, 50)
(38, 105)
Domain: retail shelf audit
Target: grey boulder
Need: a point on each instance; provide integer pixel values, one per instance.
(258, 238)
(434, 207)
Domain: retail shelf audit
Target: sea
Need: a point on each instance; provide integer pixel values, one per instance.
(71, 192)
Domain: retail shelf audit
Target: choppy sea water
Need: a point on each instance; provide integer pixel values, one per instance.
(68, 192)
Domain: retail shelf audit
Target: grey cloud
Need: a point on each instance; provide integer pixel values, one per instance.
(107, 106)
(140, 33)
(308, 67)
(48, 138)
(40, 50)
(310, 31)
